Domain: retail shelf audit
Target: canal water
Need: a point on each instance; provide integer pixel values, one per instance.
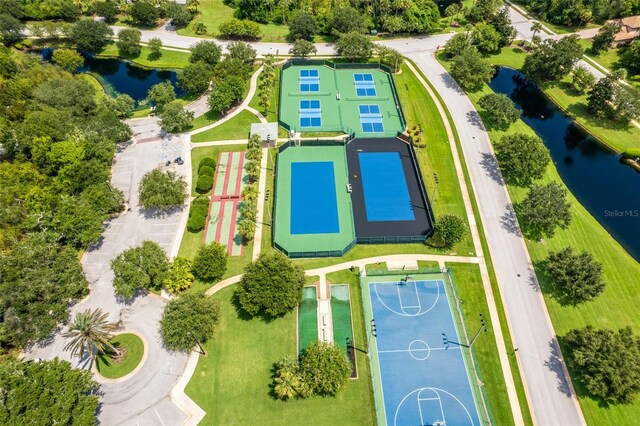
(119, 76)
(607, 188)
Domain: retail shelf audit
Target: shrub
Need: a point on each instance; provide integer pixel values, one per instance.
(325, 368)
(204, 183)
(196, 222)
(448, 231)
(206, 171)
(179, 277)
(236, 28)
(210, 263)
(207, 161)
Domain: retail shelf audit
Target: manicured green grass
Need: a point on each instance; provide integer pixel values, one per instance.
(169, 58)
(619, 137)
(100, 93)
(214, 12)
(468, 284)
(232, 382)
(615, 308)
(134, 348)
(236, 128)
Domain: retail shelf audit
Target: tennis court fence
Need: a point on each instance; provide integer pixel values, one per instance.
(470, 360)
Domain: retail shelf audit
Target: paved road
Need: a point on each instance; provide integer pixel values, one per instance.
(143, 398)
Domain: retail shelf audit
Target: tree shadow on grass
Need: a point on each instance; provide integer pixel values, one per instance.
(246, 316)
(548, 288)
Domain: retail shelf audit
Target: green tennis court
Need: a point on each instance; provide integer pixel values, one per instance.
(319, 98)
(313, 215)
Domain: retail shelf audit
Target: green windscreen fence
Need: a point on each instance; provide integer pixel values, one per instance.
(307, 318)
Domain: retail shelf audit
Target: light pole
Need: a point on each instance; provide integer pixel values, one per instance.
(266, 200)
(372, 333)
(435, 188)
(483, 326)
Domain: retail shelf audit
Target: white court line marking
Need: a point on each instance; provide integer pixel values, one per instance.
(418, 350)
(161, 233)
(156, 411)
(404, 314)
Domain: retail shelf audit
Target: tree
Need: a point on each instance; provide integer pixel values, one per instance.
(582, 80)
(67, 59)
(188, 320)
(47, 392)
(535, 29)
(255, 10)
(271, 286)
(288, 382)
(225, 93)
(90, 333)
(179, 15)
(457, 44)
(10, 29)
(552, 60)
(348, 19)
(90, 35)
(195, 77)
(486, 38)
(145, 266)
(200, 28)
(544, 209)
(161, 94)
(129, 41)
(107, 9)
(144, 13)
(207, 52)
(39, 279)
(179, 277)
(303, 48)
(241, 51)
(303, 26)
(502, 24)
(470, 70)
(606, 362)
(325, 368)
(210, 263)
(192, 5)
(483, 10)
(160, 190)
(500, 111)
(354, 47)
(235, 28)
(452, 10)
(604, 39)
(174, 118)
(449, 230)
(390, 57)
(155, 46)
(630, 57)
(575, 275)
(523, 158)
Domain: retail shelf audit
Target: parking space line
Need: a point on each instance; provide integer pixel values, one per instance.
(156, 411)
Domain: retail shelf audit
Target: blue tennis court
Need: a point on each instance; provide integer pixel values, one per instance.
(365, 86)
(314, 208)
(424, 380)
(386, 195)
(371, 118)
(309, 80)
(310, 113)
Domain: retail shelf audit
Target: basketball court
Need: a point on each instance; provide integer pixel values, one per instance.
(420, 375)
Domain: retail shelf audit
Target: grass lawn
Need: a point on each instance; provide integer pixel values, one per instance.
(214, 12)
(169, 58)
(134, 348)
(615, 308)
(100, 93)
(236, 128)
(232, 382)
(619, 137)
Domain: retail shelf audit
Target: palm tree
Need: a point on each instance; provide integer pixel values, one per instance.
(536, 28)
(90, 333)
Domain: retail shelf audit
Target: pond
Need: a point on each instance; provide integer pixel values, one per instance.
(607, 188)
(120, 76)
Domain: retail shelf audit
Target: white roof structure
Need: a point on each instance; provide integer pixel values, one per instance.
(265, 130)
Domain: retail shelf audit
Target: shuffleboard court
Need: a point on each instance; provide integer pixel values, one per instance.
(314, 208)
(386, 195)
(423, 375)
